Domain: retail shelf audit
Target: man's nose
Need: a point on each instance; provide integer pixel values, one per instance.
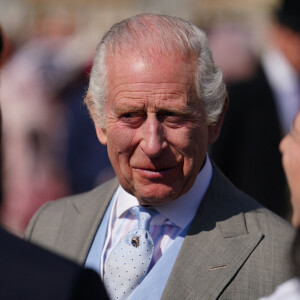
(153, 137)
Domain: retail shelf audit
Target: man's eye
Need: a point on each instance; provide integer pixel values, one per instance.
(170, 114)
(128, 115)
(166, 114)
(132, 118)
(172, 119)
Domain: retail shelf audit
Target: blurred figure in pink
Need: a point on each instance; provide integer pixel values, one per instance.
(34, 125)
(29, 272)
(231, 44)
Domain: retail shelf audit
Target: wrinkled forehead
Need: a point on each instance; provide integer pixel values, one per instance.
(134, 67)
(150, 56)
(158, 78)
(149, 52)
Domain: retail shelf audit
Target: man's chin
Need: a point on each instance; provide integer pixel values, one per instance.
(156, 197)
(153, 202)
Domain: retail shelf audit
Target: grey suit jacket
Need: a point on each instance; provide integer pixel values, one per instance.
(234, 249)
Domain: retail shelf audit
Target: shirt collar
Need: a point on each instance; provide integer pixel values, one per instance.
(179, 211)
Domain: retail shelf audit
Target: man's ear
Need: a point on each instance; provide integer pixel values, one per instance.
(101, 134)
(214, 130)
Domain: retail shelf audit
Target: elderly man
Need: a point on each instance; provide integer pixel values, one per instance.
(171, 226)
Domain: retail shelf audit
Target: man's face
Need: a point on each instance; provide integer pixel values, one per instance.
(290, 148)
(156, 131)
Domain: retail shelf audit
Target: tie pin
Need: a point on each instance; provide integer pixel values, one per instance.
(135, 241)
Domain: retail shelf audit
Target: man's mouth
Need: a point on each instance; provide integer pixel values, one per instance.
(155, 173)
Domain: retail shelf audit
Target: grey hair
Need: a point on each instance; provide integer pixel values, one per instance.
(157, 33)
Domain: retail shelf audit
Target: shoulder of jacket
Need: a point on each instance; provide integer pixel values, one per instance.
(52, 212)
(60, 204)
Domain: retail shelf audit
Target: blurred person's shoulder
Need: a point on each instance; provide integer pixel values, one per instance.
(31, 273)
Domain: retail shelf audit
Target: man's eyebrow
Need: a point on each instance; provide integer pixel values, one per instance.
(127, 109)
(181, 111)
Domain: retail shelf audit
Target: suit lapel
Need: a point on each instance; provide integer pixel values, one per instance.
(215, 247)
(217, 244)
(81, 222)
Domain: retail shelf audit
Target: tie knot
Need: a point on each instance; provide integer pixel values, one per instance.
(143, 216)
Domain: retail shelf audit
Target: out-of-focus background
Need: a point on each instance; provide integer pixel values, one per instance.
(50, 148)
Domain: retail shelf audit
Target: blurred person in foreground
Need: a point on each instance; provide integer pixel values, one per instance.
(290, 149)
(157, 100)
(32, 273)
(261, 112)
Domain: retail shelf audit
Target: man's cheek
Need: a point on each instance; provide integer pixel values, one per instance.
(122, 141)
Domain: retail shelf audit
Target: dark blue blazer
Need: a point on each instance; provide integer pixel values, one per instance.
(30, 272)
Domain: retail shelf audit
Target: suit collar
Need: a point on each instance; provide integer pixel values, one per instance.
(87, 212)
(217, 244)
(98, 197)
